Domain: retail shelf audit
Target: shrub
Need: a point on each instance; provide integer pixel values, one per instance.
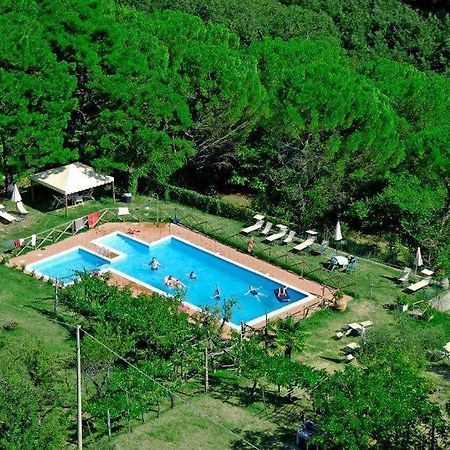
(11, 325)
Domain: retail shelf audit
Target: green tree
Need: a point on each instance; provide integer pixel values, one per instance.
(288, 335)
(386, 405)
(36, 94)
(31, 414)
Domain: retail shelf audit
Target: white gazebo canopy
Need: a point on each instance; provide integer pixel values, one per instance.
(72, 178)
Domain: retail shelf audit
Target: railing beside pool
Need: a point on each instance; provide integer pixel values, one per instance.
(158, 211)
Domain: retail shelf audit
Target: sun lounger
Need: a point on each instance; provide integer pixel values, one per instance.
(322, 249)
(279, 235)
(419, 285)
(254, 227)
(267, 228)
(305, 244)
(6, 216)
(124, 211)
(405, 275)
(259, 217)
(21, 208)
(427, 272)
(289, 237)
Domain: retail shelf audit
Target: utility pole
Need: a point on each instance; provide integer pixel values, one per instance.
(79, 416)
(206, 369)
(56, 299)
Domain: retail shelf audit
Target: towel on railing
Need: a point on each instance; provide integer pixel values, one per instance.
(18, 243)
(33, 240)
(93, 219)
(78, 224)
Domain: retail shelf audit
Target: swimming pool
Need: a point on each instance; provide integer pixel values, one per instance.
(178, 258)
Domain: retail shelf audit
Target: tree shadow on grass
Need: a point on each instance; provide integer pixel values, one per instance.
(442, 370)
(281, 438)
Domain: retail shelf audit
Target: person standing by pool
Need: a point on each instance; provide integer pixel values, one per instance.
(154, 264)
(250, 245)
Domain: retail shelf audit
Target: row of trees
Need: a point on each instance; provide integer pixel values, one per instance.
(293, 120)
(365, 28)
(384, 403)
(387, 402)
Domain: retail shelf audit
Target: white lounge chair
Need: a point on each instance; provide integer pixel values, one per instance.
(254, 227)
(289, 237)
(6, 216)
(21, 208)
(419, 285)
(124, 211)
(274, 237)
(405, 275)
(267, 228)
(305, 244)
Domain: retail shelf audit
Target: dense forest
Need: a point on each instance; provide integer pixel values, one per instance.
(314, 108)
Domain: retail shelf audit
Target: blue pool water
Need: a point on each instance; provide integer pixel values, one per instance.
(178, 259)
(65, 266)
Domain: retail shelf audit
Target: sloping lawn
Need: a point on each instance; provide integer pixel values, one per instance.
(20, 295)
(183, 428)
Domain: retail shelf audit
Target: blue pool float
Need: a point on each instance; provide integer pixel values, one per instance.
(281, 298)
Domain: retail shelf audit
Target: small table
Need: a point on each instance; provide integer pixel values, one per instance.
(352, 347)
(427, 272)
(337, 261)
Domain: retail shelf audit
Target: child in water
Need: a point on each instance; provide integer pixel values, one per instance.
(154, 264)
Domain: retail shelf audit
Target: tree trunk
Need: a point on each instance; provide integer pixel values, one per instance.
(288, 352)
(108, 422)
(252, 394)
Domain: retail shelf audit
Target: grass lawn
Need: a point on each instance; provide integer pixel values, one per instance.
(20, 297)
(372, 286)
(183, 428)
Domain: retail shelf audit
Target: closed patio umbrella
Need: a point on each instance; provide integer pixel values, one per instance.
(16, 197)
(337, 235)
(337, 232)
(418, 261)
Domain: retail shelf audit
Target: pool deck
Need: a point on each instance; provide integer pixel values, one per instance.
(150, 232)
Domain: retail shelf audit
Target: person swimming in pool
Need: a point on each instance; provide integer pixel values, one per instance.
(255, 292)
(192, 275)
(173, 282)
(217, 293)
(154, 264)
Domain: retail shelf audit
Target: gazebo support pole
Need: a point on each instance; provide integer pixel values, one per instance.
(113, 192)
(32, 191)
(65, 199)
